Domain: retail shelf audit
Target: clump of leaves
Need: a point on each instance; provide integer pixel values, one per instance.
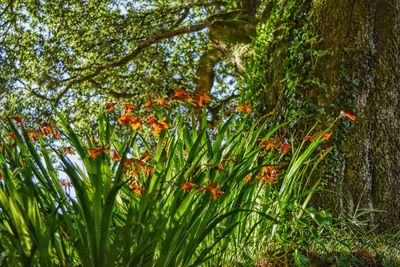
(167, 190)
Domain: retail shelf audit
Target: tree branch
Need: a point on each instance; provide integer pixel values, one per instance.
(112, 92)
(134, 53)
(234, 59)
(9, 5)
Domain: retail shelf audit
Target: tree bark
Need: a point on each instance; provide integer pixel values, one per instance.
(364, 36)
(363, 75)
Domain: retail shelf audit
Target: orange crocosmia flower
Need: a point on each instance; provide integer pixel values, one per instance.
(268, 174)
(180, 94)
(11, 135)
(33, 135)
(348, 115)
(214, 190)
(129, 107)
(157, 126)
(94, 139)
(188, 186)
(243, 108)
(285, 148)
(56, 134)
(128, 163)
(137, 189)
(116, 156)
(309, 138)
(148, 170)
(221, 166)
(145, 157)
(134, 172)
(68, 150)
(247, 179)
(109, 106)
(162, 102)
(125, 118)
(136, 123)
(201, 99)
(269, 144)
(46, 129)
(326, 135)
(18, 119)
(152, 120)
(149, 104)
(65, 183)
(94, 152)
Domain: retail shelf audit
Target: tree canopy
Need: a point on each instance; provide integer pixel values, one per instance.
(77, 54)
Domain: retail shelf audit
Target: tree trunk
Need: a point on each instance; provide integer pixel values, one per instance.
(362, 72)
(364, 76)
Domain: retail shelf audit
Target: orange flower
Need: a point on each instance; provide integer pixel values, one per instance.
(149, 104)
(285, 148)
(148, 170)
(145, 157)
(180, 94)
(46, 129)
(243, 108)
(137, 189)
(129, 107)
(109, 106)
(128, 163)
(134, 122)
(326, 135)
(220, 166)
(187, 186)
(268, 174)
(134, 172)
(348, 115)
(309, 138)
(65, 183)
(33, 135)
(214, 191)
(94, 152)
(269, 144)
(247, 179)
(18, 119)
(56, 134)
(116, 156)
(126, 118)
(162, 102)
(68, 150)
(11, 135)
(93, 139)
(158, 126)
(201, 100)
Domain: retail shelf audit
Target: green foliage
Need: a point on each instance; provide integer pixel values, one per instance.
(75, 55)
(278, 76)
(59, 52)
(133, 210)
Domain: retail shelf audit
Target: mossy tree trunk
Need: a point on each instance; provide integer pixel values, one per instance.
(362, 71)
(364, 76)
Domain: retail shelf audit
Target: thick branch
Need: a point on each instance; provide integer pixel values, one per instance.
(235, 59)
(134, 53)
